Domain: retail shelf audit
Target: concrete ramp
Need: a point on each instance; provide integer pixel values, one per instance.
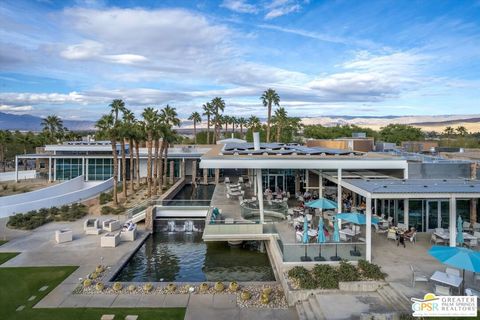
(70, 191)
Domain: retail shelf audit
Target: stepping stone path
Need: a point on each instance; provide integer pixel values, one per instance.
(21, 308)
(43, 288)
(32, 298)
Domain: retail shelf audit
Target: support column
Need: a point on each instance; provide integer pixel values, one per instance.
(194, 171)
(473, 211)
(320, 185)
(297, 182)
(260, 194)
(307, 179)
(83, 167)
(205, 176)
(339, 191)
(182, 168)
(368, 229)
(16, 169)
(55, 169)
(217, 175)
(452, 223)
(86, 169)
(50, 169)
(406, 209)
(172, 172)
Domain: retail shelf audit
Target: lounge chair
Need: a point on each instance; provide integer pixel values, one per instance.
(472, 292)
(467, 226)
(476, 226)
(417, 276)
(442, 290)
(436, 240)
(91, 226)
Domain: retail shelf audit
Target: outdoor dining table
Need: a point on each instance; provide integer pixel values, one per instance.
(302, 219)
(446, 278)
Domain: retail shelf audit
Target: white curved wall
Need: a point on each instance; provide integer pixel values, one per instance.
(55, 190)
(82, 193)
(22, 175)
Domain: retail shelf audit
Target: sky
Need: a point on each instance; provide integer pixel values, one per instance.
(362, 58)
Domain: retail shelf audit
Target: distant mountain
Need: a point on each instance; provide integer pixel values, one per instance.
(25, 122)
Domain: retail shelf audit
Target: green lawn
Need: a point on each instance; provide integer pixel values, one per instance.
(3, 242)
(18, 284)
(5, 256)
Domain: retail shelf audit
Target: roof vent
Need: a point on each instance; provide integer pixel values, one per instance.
(425, 186)
(385, 187)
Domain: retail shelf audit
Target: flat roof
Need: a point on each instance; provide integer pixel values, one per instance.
(411, 188)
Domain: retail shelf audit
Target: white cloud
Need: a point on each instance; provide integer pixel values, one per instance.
(14, 109)
(86, 50)
(278, 8)
(240, 6)
(125, 58)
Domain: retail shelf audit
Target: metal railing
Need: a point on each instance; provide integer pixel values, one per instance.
(329, 251)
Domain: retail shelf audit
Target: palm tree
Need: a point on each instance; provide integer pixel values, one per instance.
(208, 111)
(5, 138)
(218, 107)
(150, 118)
(169, 118)
(280, 119)
(129, 123)
(254, 123)
(242, 122)
(106, 127)
(233, 122)
(462, 131)
(138, 136)
(116, 107)
(196, 118)
(52, 126)
(269, 98)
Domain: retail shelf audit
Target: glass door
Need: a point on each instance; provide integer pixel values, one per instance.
(444, 214)
(433, 215)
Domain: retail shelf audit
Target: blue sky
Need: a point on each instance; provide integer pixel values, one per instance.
(376, 58)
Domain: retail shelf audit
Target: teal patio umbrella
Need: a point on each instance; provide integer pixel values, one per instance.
(305, 240)
(320, 239)
(460, 230)
(336, 239)
(356, 218)
(457, 257)
(321, 203)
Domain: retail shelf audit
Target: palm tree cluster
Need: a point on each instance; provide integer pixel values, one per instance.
(155, 129)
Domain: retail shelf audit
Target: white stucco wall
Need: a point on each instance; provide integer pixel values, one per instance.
(22, 175)
(75, 192)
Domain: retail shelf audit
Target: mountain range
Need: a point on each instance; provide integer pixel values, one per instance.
(25, 122)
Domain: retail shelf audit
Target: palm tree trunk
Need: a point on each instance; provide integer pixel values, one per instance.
(132, 168)
(155, 168)
(268, 120)
(278, 133)
(124, 169)
(195, 130)
(137, 162)
(241, 130)
(115, 170)
(208, 130)
(160, 165)
(149, 164)
(165, 170)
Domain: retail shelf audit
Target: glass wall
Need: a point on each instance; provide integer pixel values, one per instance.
(67, 169)
(100, 169)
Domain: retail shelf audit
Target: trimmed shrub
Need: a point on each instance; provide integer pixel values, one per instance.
(267, 291)
(203, 287)
(245, 295)
(264, 298)
(131, 288)
(99, 286)
(171, 287)
(105, 197)
(347, 272)
(94, 275)
(304, 278)
(107, 210)
(148, 287)
(87, 283)
(326, 276)
(34, 219)
(219, 286)
(117, 286)
(371, 270)
(99, 269)
(233, 286)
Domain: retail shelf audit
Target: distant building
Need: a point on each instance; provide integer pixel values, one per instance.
(419, 146)
(361, 144)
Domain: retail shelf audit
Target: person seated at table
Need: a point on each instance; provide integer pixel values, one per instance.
(400, 237)
(307, 195)
(302, 205)
(410, 233)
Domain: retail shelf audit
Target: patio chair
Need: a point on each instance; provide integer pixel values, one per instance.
(439, 230)
(392, 235)
(442, 290)
(417, 276)
(452, 271)
(240, 180)
(390, 220)
(471, 244)
(343, 237)
(467, 226)
(402, 226)
(476, 234)
(472, 292)
(476, 226)
(436, 240)
(227, 180)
